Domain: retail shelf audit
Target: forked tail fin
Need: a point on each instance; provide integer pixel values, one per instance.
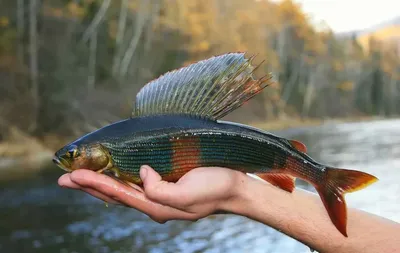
(337, 183)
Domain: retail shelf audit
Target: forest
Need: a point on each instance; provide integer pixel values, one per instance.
(68, 67)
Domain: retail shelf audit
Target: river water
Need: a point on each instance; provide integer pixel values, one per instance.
(38, 216)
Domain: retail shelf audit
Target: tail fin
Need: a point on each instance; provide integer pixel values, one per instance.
(337, 183)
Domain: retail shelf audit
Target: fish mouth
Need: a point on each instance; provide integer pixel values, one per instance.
(62, 163)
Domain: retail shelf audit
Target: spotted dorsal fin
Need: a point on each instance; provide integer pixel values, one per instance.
(210, 88)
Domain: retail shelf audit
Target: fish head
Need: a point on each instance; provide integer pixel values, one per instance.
(82, 156)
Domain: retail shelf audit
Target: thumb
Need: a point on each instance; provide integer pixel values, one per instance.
(163, 192)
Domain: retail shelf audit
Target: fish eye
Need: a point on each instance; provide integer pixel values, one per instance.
(72, 152)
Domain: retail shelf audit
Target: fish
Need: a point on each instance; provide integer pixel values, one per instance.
(176, 126)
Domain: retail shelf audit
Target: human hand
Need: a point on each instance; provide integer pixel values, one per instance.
(204, 191)
(199, 193)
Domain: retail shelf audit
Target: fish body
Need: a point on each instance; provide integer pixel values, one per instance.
(175, 144)
(176, 127)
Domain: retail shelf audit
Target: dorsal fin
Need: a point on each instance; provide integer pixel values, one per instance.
(210, 88)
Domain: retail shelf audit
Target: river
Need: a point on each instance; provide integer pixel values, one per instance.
(38, 216)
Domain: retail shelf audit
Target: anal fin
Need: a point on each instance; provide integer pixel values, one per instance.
(283, 181)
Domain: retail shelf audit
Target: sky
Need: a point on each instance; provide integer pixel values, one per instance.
(350, 15)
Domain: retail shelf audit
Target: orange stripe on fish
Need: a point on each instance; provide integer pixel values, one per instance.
(185, 157)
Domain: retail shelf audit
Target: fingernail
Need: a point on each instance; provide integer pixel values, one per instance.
(143, 172)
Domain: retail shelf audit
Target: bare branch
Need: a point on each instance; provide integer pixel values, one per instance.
(140, 23)
(96, 21)
(33, 59)
(20, 31)
(120, 35)
(92, 62)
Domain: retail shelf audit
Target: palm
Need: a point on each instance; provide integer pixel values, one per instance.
(202, 189)
(197, 194)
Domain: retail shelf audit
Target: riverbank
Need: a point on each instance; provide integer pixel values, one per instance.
(26, 155)
(22, 155)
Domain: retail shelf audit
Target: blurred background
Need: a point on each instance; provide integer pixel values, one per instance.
(68, 67)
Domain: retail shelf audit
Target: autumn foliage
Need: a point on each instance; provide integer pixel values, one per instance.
(82, 61)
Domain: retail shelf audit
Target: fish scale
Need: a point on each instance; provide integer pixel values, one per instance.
(245, 151)
(175, 127)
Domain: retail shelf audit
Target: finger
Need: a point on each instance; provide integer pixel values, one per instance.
(127, 196)
(101, 196)
(99, 182)
(65, 181)
(161, 191)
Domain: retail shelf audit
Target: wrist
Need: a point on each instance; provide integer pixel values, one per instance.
(260, 201)
(239, 198)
